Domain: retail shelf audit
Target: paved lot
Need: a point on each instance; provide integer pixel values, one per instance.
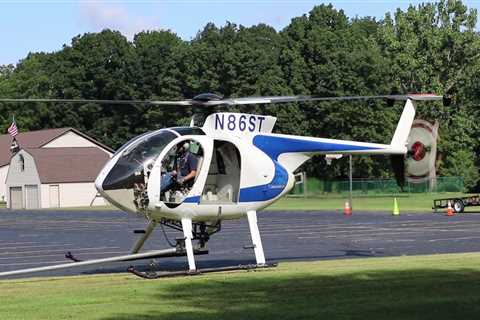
(31, 239)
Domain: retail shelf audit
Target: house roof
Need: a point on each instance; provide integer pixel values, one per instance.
(67, 165)
(37, 139)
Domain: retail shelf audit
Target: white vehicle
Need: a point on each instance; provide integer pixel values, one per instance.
(238, 167)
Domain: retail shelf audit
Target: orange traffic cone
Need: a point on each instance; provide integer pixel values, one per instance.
(347, 210)
(450, 210)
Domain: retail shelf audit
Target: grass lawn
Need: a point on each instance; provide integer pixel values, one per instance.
(418, 287)
(414, 202)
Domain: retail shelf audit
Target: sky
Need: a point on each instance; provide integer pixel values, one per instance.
(46, 25)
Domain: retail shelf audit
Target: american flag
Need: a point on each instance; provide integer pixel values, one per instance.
(13, 130)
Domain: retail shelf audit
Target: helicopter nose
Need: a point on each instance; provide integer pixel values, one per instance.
(98, 182)
(122, 176)
(115, 188)
(104, 173)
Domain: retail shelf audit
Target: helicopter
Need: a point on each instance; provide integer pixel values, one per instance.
(237, 167)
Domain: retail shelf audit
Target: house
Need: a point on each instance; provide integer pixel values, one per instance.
(54, 168)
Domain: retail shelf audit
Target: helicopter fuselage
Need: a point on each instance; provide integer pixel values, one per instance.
(232, 177)
(240, 166)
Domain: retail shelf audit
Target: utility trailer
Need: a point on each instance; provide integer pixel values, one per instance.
(458, 203)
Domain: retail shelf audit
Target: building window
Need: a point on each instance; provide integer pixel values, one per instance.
(21, 163)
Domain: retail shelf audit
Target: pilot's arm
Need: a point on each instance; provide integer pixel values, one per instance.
(191, 163)
(189, 176)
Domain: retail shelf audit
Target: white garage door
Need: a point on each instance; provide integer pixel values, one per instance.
(16, 198)
(31, 197)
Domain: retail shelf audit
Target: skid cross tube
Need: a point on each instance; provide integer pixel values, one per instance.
(127, 257)
(168, 274)
(146, 234)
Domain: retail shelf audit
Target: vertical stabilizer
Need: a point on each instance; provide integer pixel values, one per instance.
(400, 137)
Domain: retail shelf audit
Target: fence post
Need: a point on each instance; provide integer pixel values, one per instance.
(351, 182)
(305, 190)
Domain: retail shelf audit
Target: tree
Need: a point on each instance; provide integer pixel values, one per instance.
(327, 54)
(157, 76)
(6, 72)
(434, 48)
(462, 164)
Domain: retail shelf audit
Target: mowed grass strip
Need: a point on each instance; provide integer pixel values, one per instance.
(417, 287)
(414, 202)
(421, 202)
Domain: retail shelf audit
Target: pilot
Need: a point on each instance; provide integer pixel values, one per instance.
(186, 164)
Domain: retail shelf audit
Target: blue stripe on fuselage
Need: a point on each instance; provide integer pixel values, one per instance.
(267, 191)
(194, 199)
(274, 146)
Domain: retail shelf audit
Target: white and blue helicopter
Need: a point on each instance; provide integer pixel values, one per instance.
(240, 167)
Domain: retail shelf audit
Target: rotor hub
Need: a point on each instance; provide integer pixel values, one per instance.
(418, 151)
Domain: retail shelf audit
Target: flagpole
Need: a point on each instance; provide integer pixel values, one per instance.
(13, 121)
(13, 131)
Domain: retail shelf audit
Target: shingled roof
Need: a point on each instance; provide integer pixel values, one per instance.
(68, 165)
(36, 139)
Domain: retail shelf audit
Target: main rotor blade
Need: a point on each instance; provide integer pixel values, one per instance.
(236, 101)
(285, 99)
(145, 102)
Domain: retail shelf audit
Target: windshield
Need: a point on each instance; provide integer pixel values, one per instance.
(185, 131)
(129, 142)
(136, 161)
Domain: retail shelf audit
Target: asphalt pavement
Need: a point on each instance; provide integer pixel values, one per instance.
(38, 238)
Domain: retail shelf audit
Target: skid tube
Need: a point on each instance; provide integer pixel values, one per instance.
(172, 252)
(150, 275)
(177, 253)
(129, 257)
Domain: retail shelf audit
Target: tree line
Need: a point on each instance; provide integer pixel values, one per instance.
(432, 47)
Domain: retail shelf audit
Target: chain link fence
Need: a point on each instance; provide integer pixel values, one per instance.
(364, 187)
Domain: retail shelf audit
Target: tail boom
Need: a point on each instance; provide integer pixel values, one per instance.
(292, 151)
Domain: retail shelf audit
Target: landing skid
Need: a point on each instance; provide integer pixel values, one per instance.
(168, 274)
(128, 257)
(177, 253)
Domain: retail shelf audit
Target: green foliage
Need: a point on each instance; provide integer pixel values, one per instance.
(432, 47)
(461, 163)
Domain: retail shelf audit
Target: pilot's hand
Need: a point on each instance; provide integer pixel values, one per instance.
(174, 173)
(180, 181)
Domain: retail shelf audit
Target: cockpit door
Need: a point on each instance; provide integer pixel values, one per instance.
(165, 180)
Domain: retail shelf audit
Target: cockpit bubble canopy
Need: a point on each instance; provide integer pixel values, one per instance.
(136, 157)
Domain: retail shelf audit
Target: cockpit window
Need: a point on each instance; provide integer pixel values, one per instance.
(148, 146)
(137, 158)
(129, 142)
(185, 131)
(179, 171)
